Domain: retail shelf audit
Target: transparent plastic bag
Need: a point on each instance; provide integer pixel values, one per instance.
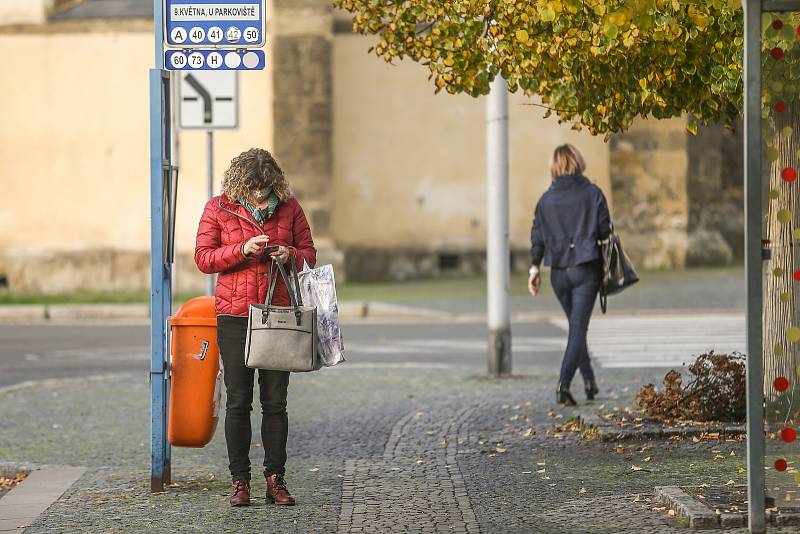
(318, 288)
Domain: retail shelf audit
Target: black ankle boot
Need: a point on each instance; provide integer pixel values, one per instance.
(591, 389)
(563, 396)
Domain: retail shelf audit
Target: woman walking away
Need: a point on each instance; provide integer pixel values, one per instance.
(255, 209)
(570, 218)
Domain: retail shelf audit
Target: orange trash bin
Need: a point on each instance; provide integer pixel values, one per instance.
(195, 387)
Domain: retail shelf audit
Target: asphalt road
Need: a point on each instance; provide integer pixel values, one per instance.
(35, 352)
(32, 352)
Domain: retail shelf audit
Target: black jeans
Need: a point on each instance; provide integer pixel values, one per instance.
(577, 288)
(273, 386)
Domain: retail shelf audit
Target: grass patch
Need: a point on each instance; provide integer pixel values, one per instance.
(424, 289)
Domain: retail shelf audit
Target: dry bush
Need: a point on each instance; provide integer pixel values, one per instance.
(715, 392)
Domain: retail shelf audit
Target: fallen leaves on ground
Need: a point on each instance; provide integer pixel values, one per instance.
(715, 392)
(573, 425)
(6, 482)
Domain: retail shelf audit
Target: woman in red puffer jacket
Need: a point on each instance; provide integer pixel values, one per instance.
(256, 209)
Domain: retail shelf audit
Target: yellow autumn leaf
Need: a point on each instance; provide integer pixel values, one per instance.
(793, 334)
(522, 36)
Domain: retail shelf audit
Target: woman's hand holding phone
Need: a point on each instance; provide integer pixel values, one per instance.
(280, 253)
(254, 245)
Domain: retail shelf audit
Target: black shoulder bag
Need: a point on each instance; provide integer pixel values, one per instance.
(618, 271)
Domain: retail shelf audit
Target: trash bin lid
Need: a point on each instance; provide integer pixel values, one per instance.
(198, 311)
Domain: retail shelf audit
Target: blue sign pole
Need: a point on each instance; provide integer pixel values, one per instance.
(160, 257)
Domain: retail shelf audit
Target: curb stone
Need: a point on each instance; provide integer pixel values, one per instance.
(686, 506)
(784, 518)
(348, 311)
(16, 314)
(29, 499)
(95, 311)
(607, 432)
(53, 383)
(12, 469)
(700, 515)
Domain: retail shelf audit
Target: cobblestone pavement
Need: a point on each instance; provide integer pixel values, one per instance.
(417, 479)
(372, 448)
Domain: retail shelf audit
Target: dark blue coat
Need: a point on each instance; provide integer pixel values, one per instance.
(570, 218)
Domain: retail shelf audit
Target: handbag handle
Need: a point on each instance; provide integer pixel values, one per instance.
(298, 294)
(294, 297)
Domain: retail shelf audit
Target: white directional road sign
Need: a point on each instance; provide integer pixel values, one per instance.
(209, 100)
(214, 23)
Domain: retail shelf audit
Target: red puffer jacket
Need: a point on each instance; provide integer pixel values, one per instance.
(225, 227)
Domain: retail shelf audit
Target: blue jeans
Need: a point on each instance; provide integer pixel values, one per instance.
(577, 288)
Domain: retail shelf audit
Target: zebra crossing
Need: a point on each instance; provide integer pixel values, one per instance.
(661, 340)
(629, 341)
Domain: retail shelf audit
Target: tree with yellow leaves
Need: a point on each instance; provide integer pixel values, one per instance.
(595, 63)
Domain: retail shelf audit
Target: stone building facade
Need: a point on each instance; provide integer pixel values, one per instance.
(390, 175)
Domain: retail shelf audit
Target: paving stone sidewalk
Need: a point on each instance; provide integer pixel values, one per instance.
(371, 449)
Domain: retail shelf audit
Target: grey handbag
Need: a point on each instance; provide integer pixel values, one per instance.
(282, 338)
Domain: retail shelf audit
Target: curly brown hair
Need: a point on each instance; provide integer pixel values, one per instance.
(252, 170)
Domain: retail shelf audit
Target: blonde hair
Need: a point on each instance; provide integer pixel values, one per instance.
(566, 159)
(252, 170)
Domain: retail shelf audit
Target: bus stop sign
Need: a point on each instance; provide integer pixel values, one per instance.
(214, 23)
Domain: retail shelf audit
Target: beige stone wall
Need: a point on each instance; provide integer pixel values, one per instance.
(409, 166)
(381, 163)
(649, 166)
(74, 155)
(24, 11)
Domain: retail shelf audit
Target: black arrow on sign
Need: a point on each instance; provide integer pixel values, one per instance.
(204, 94)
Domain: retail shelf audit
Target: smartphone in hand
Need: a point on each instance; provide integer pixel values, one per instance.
(267, 251)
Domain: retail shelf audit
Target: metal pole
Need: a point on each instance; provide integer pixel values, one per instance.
(497, 247)
(160, 269)
(754, 266)
(175, 148)
(211, 278)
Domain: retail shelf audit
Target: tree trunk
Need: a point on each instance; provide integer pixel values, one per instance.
(781, 291)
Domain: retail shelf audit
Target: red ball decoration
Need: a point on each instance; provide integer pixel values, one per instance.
(780, 107)
(781, 384)
(777, 53)
(789, 174)
(788, 434)
(777, 24)
(797, 275)
(780, 464)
